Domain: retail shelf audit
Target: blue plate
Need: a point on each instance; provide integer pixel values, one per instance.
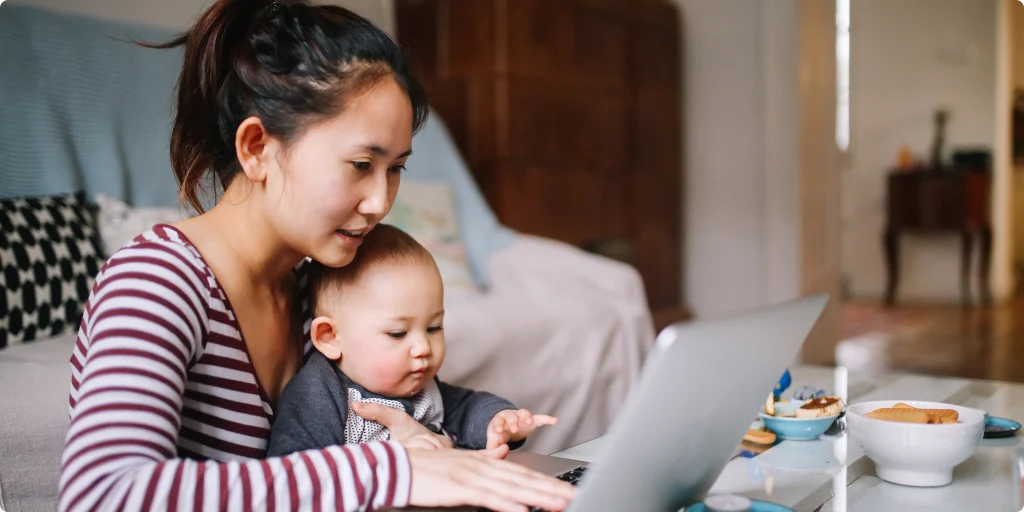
(795, 429)
(1000, 427)
(758, 506)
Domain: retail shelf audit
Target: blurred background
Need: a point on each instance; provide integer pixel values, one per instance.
(593, 171)
(734, 153)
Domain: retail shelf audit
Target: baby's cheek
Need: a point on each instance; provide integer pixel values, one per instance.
(387, 374)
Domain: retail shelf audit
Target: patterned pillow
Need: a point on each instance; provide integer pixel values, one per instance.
(49, 256)
(118, 222)
(426, 210)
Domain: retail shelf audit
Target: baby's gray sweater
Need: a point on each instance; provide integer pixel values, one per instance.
(315, 411)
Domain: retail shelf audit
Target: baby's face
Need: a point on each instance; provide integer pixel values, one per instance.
(389, 322)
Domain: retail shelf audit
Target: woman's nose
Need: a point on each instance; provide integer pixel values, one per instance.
(377, 200)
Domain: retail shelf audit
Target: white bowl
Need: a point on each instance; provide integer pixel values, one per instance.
(915, 454)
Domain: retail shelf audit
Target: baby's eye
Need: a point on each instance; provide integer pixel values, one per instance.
(397, 334)
(362, 166)
(434, 329)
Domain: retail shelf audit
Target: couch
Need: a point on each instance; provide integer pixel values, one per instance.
(545, 324)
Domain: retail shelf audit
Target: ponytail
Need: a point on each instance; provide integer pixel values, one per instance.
(288, 63)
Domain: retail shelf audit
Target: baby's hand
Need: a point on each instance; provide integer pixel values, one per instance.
(510, 426)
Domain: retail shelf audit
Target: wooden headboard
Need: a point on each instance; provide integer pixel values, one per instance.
(568, 113)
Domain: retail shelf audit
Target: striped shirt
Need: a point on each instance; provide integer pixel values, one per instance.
(167, 412)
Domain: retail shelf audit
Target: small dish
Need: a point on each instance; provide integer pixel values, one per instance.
(791, 428)
(996, 427)
(755, 506)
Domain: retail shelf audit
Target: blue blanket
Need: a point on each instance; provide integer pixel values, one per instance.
(82, 110)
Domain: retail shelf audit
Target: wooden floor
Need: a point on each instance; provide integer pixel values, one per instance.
(985, 343)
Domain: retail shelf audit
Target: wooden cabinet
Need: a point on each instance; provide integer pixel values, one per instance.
(939, 201)
(568, 113)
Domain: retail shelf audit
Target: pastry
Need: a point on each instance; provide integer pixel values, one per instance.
(820, 407)
(785, 413)
(901, 415)
(759, 437)
(943, 415)
(769, 406)
(935, 416)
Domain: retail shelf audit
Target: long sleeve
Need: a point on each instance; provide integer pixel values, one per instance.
(143, 329)
(468, 413)
(312, 410)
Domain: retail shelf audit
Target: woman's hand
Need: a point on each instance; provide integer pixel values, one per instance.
(403, 427)
(448, 478)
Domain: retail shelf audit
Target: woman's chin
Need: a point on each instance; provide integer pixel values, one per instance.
(335, 258)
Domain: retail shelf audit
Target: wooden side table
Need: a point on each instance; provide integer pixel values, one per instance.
(936, 201)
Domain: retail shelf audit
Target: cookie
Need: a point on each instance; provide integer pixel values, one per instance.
(759, 437)
(935, 416)
(901, 415)
(942, 415)
(769, 406)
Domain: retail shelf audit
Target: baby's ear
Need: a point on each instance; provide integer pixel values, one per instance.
(325, 337)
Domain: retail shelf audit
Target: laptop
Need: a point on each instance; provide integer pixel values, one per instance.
(684, 419)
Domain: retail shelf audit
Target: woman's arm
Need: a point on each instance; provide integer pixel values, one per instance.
(144, 324)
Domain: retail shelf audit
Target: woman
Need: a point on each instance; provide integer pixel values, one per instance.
(305, 115)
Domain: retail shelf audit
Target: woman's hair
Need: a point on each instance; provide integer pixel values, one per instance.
(287, 62)
(384, 244)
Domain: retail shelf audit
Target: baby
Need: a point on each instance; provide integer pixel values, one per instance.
(378, 335)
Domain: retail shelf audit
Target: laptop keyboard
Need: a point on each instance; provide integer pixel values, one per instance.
(573, 477)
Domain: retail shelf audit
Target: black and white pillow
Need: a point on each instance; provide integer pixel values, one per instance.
(49, 255)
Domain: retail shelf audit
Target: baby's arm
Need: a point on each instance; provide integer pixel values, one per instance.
(468, 413)
(309, 415)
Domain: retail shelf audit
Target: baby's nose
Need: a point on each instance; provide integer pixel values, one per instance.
(421, 348)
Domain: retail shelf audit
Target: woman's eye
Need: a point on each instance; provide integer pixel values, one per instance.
(397, 334)
(435, 329)
(362, 166)
(397, 168)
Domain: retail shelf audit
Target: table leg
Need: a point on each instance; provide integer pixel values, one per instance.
(966, 246)
(986, 262)
(892, 260)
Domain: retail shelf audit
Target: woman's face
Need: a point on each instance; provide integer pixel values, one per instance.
(340, 178)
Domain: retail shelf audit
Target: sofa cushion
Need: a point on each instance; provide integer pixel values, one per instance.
(119, 222)
(426, 211)
(437, 158)
(49, 255)
(35, 379)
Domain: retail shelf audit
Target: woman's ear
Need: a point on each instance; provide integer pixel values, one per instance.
(251, 147)
(325, 337)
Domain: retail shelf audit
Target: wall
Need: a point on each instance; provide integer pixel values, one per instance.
(907, 58)
(178, 13)
(749, 182)
(724, 144)
(820, 264)
(1002, 203)
(1016, 24)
